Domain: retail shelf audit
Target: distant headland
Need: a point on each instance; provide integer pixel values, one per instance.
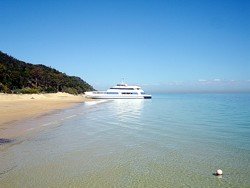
(20, 77)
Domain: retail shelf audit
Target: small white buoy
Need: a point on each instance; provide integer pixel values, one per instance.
(219, 172)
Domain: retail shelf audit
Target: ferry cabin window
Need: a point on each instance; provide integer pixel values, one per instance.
(115, 93)
(128, 93)
(122, 88)
(142, 93)
(121, 85)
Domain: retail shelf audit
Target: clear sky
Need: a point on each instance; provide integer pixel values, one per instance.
(164, 46)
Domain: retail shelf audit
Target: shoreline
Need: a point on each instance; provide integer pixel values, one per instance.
(15, 108)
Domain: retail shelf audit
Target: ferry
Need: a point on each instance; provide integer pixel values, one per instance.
(120, 91)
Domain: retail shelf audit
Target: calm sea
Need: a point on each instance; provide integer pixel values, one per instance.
(174, 140)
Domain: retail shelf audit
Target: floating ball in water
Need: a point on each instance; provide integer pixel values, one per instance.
(219, 172)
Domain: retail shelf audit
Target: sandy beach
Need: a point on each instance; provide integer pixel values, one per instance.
(18, 107)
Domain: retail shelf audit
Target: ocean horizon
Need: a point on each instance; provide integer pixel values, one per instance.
(171, 140)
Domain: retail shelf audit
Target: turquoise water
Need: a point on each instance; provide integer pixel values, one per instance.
(174, 140)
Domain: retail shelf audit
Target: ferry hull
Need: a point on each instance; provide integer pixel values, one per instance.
(103, 96)
(118, 97)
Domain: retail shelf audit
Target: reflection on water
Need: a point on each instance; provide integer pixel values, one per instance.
(126, 111)
(169, 141)
(122, 106)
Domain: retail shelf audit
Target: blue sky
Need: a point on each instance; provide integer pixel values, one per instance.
(165, 46)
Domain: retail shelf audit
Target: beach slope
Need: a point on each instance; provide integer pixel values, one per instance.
(16, 107)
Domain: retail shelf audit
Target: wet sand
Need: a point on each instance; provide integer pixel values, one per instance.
(18, 107)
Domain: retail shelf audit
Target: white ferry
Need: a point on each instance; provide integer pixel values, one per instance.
(120, 91)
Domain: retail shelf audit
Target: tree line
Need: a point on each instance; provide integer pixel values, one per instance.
(19, 77)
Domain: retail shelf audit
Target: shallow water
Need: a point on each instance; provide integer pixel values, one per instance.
(168, 141)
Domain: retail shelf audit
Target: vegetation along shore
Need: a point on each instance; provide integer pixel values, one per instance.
(20, 77)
